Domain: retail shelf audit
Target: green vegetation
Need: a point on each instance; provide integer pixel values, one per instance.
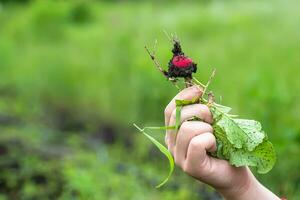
(242, 141)
(74, 77)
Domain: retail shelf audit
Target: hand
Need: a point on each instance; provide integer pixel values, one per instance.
(190, 147)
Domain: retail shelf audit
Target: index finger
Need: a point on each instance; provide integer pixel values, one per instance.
(186, 94)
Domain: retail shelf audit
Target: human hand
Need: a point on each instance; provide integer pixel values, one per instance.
(192, 143)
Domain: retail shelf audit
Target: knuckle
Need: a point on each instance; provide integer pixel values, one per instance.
(205, 110)
(171, 150)
(186, 168)
(211, 136)
(167, 111)
(173, 115)
(176, 159)
(207, 127)
(166, 140)
(185, 127)
(195, 144)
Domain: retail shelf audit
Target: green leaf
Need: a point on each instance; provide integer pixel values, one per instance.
(159, 128)
(263, 157)
(242, 142)
(164, 150)
(253, 131)
(241, 133)
(186, 102)
(223, 109)
(178, 115)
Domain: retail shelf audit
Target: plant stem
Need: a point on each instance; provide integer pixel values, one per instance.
(188, 82)
(198, 82)
(209, 80)
(164, 73)
(152, 56)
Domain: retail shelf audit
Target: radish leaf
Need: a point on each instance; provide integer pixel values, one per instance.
(164, 150)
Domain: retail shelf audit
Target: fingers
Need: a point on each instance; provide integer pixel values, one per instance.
(194, 140)
(198, 147)
(186, 134)
(187, 112)
(197, 161)
(186, 94)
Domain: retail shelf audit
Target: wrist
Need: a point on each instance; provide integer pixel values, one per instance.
(247, 189)
(240, 186)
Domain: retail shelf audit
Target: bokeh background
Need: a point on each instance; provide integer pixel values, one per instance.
(74, 76)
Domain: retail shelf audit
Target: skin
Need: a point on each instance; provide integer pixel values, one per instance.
(189, 147)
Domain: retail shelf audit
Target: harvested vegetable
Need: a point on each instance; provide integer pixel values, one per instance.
(240, 141)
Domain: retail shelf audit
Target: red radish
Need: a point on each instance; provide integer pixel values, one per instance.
(181, 61)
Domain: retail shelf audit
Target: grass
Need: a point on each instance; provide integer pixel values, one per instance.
(70, 70)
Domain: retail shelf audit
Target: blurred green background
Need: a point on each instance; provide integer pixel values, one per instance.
(74, 77)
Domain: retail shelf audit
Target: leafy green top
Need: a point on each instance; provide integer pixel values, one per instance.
(241, 141)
